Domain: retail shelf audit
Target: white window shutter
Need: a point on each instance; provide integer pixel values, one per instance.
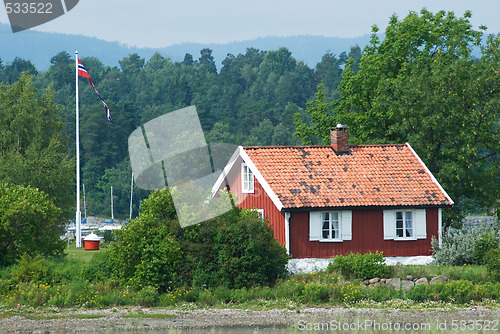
(420, 224)
(314, 225)
(389, 224)
(346, 229)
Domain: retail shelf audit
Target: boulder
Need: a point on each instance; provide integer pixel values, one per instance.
(439, 279)
(422, 280)
(374, 280)
(406, 284)
(394, 282)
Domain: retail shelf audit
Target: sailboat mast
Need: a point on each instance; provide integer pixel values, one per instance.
(131, 194)
(112, 214)
(84, 205)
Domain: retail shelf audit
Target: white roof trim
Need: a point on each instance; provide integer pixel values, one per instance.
(430, 174)
(261, 179)
(226, 170)
(240, 152)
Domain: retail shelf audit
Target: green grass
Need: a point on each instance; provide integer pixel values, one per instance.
(61, 316)
(474, 273)
(82, 255)
(5, 315)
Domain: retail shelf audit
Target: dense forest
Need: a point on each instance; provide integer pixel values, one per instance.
(421, 84)
(250, 100)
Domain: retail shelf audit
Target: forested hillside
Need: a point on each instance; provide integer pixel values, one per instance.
(251, 100)
(421, 84)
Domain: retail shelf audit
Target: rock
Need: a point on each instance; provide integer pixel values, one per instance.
(40, 331)
(407, 284)
(422, 280)
(374, 280)
(394, 282)
(409, 277)
(378, 284)
(439, 279)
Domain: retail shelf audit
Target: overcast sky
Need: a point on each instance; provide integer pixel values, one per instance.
(159, 23)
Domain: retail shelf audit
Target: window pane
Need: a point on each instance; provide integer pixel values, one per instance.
(399, 223)
(326, 225)
(326, 230)
(409, 224)
(335, 229)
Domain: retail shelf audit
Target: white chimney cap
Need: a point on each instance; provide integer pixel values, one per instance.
(340, 126)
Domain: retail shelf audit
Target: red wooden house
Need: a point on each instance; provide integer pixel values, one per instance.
(322, 201)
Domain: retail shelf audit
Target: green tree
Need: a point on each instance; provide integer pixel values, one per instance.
(13, 70)
(235, 249)
(206, 61)
(29, 223)
(33, 151)
(262, 135)
(62, 70)
(422, 85)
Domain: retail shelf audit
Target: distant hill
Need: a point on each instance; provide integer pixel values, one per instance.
(41, 47)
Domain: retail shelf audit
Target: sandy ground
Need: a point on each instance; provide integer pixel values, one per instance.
(237, 320)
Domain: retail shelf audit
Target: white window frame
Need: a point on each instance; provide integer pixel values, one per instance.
(418, 224)
(260, 213)
(405, 225)
(247, 179)
(330, 219)
(316, 223)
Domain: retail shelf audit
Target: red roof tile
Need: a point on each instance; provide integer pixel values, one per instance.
(370, 175)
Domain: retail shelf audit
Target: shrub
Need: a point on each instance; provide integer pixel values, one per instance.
(29, 223)
(361, 266)
(488, 241)
(145, 253)
(100, 269)
(382, 293)
(350, 292)
(461, 292)
(458, 246)
(148, 296)
(30, 269)
(235, 250)
(492, 260)
(316, 293)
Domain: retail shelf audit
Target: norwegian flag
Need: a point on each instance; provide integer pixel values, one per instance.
(82, 72)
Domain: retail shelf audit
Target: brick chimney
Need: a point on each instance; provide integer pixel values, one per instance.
(339, 138)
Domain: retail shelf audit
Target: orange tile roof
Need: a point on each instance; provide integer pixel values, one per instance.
(370, 175)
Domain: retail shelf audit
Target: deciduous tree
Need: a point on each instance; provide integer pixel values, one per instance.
(423, 85)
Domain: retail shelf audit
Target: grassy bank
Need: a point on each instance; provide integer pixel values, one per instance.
(68, 282)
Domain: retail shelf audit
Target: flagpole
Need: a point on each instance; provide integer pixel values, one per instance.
(78, 212)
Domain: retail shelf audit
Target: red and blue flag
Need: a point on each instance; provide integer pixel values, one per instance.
(82, 72)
